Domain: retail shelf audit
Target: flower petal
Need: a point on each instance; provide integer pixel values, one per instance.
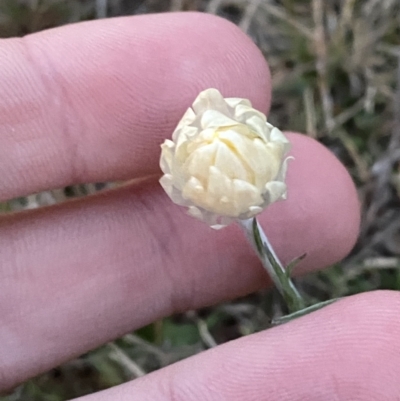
(236, 101)
(210, 99)
(167, 154)
(276, 190)
(246, 196)
(216, 119)
(186, 120)
(225, 162)
(204, 156)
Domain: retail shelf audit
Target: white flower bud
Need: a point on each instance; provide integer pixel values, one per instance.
(225, 161)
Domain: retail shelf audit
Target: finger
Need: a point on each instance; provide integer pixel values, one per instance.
(93, 101)
(347, 351)
(78, 275)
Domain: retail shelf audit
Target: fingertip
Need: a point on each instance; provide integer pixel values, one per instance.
(231, 47)
(348, 351)
(322, 206)
(374, 309)
(179, 54)
(116, 88)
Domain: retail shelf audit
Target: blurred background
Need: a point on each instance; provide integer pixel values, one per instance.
(335, 71)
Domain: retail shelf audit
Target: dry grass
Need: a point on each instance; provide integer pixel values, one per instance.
(335, 72)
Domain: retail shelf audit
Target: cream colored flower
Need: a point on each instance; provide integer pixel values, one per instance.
(225, 161)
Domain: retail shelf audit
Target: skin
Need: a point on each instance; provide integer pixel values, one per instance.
(92, 102)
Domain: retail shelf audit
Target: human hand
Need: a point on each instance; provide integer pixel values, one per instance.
(92, 102)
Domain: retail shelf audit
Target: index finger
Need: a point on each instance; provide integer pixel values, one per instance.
(92, 101)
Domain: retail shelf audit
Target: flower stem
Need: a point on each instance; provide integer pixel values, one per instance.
(279, 275)
(303, 312)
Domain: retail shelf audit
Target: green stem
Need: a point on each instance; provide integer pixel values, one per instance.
(303, 312)
(272, 265)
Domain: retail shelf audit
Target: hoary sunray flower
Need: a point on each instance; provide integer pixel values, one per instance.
(225, 161)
